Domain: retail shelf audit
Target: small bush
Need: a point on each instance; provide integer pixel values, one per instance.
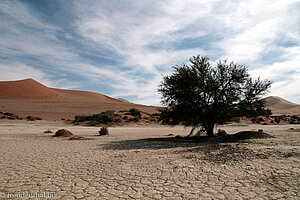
(8, 114)
(101, 118)
(296, 117)
(92, 123)
(125, 117)
(260, 131)
(260, 119)
(48, 131)
(156, 114)
(32, 118)
(103, 131)
(221, 132)
(136, 118)
(135, 112)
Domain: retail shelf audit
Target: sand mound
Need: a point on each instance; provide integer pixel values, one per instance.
(63, 133)
(250, 135)
(27, 88)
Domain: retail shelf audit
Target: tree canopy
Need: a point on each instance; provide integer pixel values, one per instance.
(200, 94)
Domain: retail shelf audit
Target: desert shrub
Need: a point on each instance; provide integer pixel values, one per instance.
(277, 120)
(265, 123)
(296, 117)
(236, 119)
(117, 120)
(103, 131)
(253, 120)
(293, 121)
(136, 118)
(260, 119)
(93, 123)
(48, 131)
(260, 131)
(221, 132)
(125, 117)
(156, 114)
(135, 112)
(32, 118)
(123, 111)
(101, 118)
(8, 114)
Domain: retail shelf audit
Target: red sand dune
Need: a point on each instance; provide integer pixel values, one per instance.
(123, 100)
(28, 97)
(280, 106)
(27, 88)
(85, 94)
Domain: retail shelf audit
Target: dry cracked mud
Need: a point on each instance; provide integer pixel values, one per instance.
(128, 164)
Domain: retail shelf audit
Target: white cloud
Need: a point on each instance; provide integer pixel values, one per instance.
(142, 36)
(18, 71)
(284, 74)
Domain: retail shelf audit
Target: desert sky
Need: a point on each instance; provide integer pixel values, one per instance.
(122, 48)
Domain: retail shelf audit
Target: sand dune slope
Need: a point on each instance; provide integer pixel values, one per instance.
(27, 88)
(28, 97)
(280, 106)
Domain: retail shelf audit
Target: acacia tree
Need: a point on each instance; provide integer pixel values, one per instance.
(199, 94)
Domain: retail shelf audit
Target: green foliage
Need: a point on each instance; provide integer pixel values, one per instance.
(103, 131)
(260, 131)
(296, 117)
(277, 120)
(199, 94)
(260, 119)
(101, 118)
(135, 112)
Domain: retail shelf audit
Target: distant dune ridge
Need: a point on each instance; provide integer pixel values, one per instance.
(27, 88)
(280, 106)
(29, 97)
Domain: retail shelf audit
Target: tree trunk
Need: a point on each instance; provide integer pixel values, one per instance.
(210, 129)
(192, 131)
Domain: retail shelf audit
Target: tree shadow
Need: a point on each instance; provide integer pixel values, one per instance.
(175, 142)
(154, 143)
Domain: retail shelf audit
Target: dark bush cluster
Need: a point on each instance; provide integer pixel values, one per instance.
(101, 118)
(32, 118)
(135, 112)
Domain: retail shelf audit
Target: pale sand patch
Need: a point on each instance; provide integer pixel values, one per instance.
(126, 164)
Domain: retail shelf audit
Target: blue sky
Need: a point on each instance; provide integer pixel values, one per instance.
(122, 48)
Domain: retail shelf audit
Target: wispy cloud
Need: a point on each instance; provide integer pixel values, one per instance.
(121, 48)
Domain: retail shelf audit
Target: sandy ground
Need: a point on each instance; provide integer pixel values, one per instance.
(128, 164)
